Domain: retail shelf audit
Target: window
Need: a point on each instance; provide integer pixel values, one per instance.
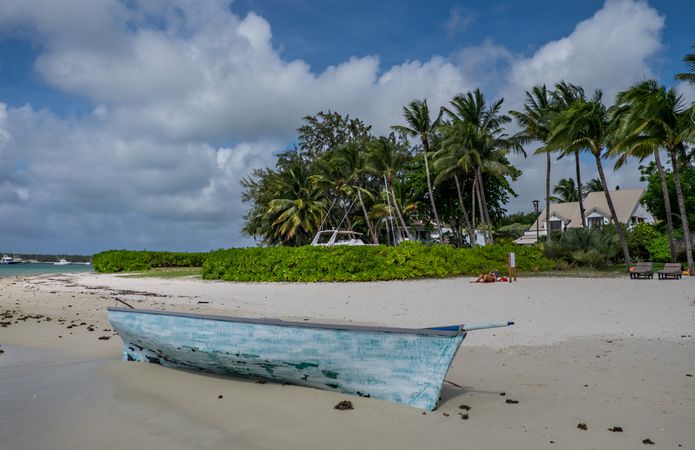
(595, 222)
(556, 225)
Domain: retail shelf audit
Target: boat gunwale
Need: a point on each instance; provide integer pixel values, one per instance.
(278, 322)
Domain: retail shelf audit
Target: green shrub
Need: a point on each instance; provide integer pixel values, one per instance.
(584, 246)
(659, 250)
(365, 263)
(640, 238)
(134, 261)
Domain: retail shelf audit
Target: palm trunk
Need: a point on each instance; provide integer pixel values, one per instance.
(667, 205)
(375, 238)
(426, 148)
(400, 216)
(611, 207)
(483, 225)
(473, 190)
(484, 204)
(681, 208)
(580, 196)
(547, 196)
(471, 231)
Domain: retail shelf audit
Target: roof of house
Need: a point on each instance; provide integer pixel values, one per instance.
(626, 201)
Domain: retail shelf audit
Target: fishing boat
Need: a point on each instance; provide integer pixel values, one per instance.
(61, 262)
(401, 365)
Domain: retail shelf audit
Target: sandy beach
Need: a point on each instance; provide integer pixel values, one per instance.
(609, 352)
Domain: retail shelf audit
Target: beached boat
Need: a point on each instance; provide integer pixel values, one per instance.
(401, 365)
(61, 262)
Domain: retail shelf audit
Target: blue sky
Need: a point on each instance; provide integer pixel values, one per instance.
(130, 124)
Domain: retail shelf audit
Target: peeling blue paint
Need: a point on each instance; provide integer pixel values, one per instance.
(402, 367)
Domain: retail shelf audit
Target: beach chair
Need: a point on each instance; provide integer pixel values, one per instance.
(642, 270)
(670, 270)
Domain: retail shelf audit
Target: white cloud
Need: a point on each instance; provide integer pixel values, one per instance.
(190, 97)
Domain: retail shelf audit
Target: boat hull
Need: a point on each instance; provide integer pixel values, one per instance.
(399, 365)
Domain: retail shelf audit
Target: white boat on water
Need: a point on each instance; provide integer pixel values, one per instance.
(10, 260)
(337, 237)
(61, 262)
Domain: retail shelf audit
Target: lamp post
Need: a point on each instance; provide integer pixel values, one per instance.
(535, 208)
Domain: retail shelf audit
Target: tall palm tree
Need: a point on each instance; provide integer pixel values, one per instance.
(352, 159)
(453, 160)
(564, 96)
(386, 161)
(535, 118)
(480, 129)
(585, 126)
(689, 76)
(633, 142)
(566, 191)
(659, 119)
(417, 116)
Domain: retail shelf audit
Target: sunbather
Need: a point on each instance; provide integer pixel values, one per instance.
(489, 277)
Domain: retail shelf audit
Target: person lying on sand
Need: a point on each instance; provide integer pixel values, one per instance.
(489, 277)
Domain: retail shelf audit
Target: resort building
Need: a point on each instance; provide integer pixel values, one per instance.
(596, 213)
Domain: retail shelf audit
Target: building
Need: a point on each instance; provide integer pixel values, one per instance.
(596, 213)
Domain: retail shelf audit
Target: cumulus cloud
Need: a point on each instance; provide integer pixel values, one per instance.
(189, 97)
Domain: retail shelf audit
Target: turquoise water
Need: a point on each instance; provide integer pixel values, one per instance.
(7, 270)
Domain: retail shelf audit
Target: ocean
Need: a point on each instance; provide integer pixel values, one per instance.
(7, 270)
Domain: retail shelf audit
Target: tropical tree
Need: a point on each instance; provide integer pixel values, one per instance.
(564, 96)
(535, 119)
(586, 126)
(454, 161)
(417, 116)
(689, 76)
(633, 142)
(593, 185)
(478, 127)
(352, 160)
(385, 160)
(566, 191)
(659, 118)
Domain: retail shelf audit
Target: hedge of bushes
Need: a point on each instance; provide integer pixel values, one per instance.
(365, 263)
(134, 261)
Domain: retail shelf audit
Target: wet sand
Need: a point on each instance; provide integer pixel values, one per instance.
(607, 353)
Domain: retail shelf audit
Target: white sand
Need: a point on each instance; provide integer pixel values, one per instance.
(630, 342)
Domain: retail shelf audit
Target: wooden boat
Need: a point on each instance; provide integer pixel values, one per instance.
(400, 365)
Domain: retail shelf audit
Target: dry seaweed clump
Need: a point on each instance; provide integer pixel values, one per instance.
(343, 405)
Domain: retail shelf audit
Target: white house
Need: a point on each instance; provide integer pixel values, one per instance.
(596, 213)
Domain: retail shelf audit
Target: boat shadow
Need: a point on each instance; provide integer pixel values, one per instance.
(451, 392)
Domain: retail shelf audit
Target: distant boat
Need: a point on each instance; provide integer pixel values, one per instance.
(400, 365)
(62, 262)
(337, 237)
(9, 260)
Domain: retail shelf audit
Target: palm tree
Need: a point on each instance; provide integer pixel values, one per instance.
(417, 115)
(352, 159)
(535, 122)
(689, 76)
(658, 118)
(594, 185)
(454, 160)
(386, 161)
(633, 142)
(478, 127)
(585, 126)
(298, 205)
(566, 94)
(566, 190)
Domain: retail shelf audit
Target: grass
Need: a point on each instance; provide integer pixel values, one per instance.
(167, 272)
